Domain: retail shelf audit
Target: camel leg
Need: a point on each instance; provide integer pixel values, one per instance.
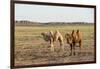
(52, 46)
(71, 49)
(74, 48)
(61, 43)
(62, 46)
(80, 45)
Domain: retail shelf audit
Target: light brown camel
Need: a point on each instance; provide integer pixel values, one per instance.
(53, 37)
(73, 39)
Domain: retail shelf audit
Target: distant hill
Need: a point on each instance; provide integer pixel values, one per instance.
(30, 23)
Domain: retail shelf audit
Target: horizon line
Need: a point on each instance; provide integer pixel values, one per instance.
(54, 21)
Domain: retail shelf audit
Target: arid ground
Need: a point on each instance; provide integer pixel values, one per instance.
(31, 49)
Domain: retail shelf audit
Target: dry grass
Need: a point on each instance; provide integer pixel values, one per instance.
(31, 49)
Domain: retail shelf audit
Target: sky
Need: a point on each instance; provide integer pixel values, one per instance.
(44, 13)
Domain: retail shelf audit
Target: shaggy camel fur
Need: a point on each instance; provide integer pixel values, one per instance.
(72, 39)
(53, 37)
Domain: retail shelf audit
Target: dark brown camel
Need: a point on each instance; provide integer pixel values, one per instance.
(72, 39)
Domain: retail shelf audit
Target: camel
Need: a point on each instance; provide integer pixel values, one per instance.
(53, 37)
(73, 39)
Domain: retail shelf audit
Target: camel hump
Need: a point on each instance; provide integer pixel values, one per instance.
(73, 32)
(79, 34)
(78, 31)
(57, 31)
(51, 31)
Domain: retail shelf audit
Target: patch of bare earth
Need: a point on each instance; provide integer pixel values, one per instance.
(38, 52)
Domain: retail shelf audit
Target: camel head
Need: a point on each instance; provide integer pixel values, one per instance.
(68, 38)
